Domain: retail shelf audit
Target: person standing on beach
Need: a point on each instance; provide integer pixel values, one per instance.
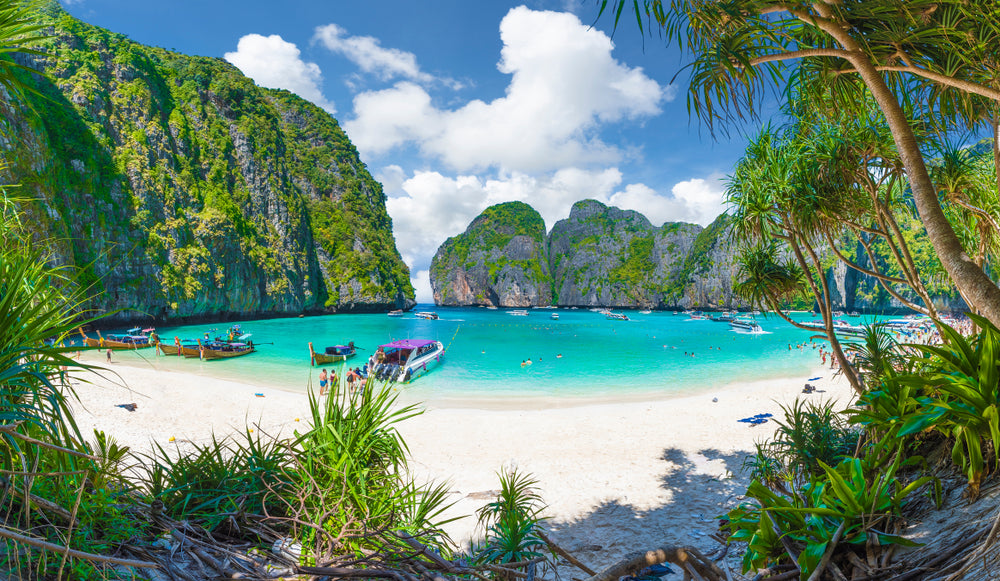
(322, 382)
(109, 355)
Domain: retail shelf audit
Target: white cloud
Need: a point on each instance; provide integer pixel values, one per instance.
(273, 62)
(696, 200)
(564, 86)
(368, 54)
(705, 197)
(421, 282)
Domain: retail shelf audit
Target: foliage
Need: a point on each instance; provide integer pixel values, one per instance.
(216, 480)
(960, 381)
(511, 522)
(766, 282)
(348, 476)
(19, 31)
(855, 502)
(810, 435)
(43, 451)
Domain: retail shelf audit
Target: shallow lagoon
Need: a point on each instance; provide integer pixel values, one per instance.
(580, 356)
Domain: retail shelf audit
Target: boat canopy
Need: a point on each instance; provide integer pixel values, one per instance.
(407, 344)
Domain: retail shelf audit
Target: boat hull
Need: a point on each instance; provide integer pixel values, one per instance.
(189, 352)
(210, 354)
(324, 358)
(422, 364)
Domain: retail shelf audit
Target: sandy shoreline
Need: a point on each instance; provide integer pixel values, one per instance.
(617, 477)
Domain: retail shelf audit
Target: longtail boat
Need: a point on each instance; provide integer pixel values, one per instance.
(178, 347)
(118, 341)
(88, 341)
(333, 354)
(217, 350)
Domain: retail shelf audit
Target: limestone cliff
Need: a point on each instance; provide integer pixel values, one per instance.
(599, 256)
(607, 257)
(181, 189)
(499, 260)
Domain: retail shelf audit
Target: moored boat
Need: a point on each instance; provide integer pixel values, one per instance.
(177, 347)
(332, 354)
(123, 341)
(395, 313)
(842, 327)
(224, 350)
(407, 359)
(518, 313)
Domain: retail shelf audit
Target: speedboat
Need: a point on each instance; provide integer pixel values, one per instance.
(725, 317)
(518, 313)
(333, 354)
(395, 313)
(554, 316)
(647, 312)
(746, 325)
(431, 316)
(616, 316)
(839, 326)
(407, 359)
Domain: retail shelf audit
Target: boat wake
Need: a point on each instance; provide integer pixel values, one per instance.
(746, 332)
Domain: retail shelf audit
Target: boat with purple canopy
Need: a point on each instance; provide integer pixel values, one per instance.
(406, 359)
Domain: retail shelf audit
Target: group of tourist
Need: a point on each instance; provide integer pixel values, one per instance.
(355, 378)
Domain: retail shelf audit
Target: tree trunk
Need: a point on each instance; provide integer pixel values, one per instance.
(981, 293)
(965, 274)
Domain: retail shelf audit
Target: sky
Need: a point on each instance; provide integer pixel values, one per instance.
(456, 105)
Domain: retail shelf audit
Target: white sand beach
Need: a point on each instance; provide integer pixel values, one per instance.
(617, 477)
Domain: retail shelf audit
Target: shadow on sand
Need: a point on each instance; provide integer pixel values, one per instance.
(695, 489)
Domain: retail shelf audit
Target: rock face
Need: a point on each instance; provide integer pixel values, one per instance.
(499, 260)
(599, 256)
(607, 257)
(182, 190)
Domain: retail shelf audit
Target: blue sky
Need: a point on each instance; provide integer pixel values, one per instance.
(456, 105)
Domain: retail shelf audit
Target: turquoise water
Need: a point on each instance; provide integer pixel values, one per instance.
(600, 358)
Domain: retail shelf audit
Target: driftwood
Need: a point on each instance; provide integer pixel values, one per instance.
(38, 543)
(793, 574)
(349, 572)
(921, 570)
(686, 558)
(423, 551)
(829, 552)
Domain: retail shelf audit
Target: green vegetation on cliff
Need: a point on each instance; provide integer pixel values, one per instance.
(505, 240)
(182, 188)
